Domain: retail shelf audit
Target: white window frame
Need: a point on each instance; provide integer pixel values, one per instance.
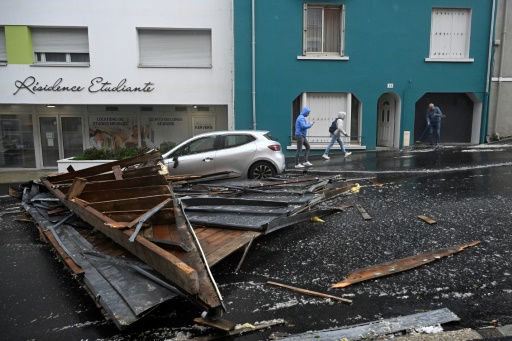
(61, 41)
(175, 47)
(446, 54)
(337, 55)
(3, 47)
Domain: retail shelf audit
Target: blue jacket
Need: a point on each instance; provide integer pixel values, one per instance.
(434, 115)
(301, 126)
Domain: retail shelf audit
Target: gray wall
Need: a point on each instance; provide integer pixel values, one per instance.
(500, 109)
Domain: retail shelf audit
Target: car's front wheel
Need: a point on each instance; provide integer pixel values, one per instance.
(261, 170)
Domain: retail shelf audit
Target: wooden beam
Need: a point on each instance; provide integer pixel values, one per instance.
(393, 267)
(427, 219)
(361, 210)
(76, 188)
(309, 292)
(107, 167)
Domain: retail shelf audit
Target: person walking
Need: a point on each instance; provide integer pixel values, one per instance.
(301, 127)
(434, 123)
(336, 130)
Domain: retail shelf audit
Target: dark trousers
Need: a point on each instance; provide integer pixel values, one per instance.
(435, 127)
(301, 140)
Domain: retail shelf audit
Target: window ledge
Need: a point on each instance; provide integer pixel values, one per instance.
(322, 57)
(64, 65)
(176, 66)
(450, 60)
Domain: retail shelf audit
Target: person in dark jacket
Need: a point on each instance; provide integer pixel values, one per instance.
(301, 128)
(434, 122)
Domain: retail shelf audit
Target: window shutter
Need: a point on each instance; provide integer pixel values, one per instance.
(3, 49)
(450, 33)
(175, 48)
(60, 40)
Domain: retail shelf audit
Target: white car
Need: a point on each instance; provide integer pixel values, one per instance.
(248, 153)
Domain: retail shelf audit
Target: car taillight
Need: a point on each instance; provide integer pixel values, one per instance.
(275, 147)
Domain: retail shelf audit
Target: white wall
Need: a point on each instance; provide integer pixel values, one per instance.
(113, 48)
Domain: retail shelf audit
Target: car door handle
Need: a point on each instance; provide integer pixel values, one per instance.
(208, 159)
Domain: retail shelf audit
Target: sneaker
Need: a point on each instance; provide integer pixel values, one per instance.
(325, 156)
(348, 154)
(299, 166)
(307, 163)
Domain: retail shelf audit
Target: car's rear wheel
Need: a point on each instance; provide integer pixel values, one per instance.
(261, 170)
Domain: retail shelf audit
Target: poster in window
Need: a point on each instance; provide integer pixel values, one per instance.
(203, 124)
(113, 131)
(164, 130)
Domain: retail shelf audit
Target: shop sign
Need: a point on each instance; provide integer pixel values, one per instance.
(97, 84)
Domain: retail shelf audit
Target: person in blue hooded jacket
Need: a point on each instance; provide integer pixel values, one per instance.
(301, 128)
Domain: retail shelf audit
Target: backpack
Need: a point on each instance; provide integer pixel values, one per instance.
(333, 126)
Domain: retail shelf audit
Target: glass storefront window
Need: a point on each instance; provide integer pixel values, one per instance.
(17, 141)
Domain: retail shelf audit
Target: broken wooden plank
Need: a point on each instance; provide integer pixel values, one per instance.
(361, 210)
(381, 327)
(390, 268)
(240, 329)
(309, 292)
(106, 167)
(217, 323)
(76, 188)
(427, 219)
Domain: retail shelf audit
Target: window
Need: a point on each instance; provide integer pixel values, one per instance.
(323, 30)
(450, 34)
(201, 145)
(60, 46)
(3, 50)
(175, 48)
(231, 141)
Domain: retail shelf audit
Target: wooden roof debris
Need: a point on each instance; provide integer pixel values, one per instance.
(393, 267)
(170, 239)
(428, 220)
(310, 292)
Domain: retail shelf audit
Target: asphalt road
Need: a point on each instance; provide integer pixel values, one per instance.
(468, 192)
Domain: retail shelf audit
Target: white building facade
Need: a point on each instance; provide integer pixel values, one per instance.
(80, 74)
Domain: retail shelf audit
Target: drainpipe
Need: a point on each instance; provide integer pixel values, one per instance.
(485, 117)
(502, 52)
(253, 62)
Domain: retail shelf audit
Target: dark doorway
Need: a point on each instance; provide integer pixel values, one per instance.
(456, 126)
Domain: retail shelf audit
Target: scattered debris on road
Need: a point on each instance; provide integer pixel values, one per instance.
(309, 292)
(428, 220)
(381, 327)
(393, 267)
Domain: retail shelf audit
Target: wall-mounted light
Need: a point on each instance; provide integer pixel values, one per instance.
(50, 106)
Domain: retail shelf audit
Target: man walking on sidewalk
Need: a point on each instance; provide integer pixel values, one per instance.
(301, 128)
(336, 130)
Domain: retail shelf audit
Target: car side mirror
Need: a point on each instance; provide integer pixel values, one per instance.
(175, 160)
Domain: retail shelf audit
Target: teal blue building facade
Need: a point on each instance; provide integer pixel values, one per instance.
(380, 61)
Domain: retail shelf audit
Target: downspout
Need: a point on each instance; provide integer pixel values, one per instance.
(485, 118)
(502, 53)
(253, 66)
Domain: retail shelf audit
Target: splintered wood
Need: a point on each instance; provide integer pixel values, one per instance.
(427, 219)
(309, 292)
(361, 210)
(390, 268)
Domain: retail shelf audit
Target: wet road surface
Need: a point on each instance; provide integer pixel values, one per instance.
(467, 190)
